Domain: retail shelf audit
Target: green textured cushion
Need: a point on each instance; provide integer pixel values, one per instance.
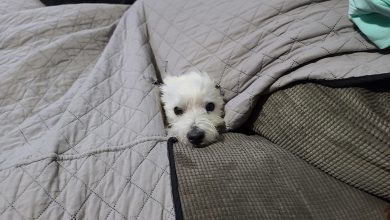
(345, 131)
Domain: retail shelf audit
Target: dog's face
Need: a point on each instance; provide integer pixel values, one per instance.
(194, 108)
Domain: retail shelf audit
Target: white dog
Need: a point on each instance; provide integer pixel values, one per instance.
(194, 108)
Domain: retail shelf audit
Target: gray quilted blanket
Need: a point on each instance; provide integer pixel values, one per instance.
(81, 129)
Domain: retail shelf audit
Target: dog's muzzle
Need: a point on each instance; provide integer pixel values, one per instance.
(195, 136)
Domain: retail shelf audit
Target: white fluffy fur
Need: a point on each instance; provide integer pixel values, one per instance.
(191, 92)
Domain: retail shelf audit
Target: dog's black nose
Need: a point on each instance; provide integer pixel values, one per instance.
(195, 136)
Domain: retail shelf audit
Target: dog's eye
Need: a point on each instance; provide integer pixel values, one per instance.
(210, 107)
(178, 111)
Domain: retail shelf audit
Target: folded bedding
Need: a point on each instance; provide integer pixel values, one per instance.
(82, 131)
(373, 19)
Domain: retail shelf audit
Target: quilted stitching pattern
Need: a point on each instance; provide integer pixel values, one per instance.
(249, 46)
(81, 130)
(75, 194)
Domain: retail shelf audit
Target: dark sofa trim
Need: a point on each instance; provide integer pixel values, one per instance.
(357, 81)
(174, 181)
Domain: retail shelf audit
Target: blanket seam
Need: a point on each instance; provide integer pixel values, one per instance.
(59, 157)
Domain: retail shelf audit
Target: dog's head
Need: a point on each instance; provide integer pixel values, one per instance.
(194, 108)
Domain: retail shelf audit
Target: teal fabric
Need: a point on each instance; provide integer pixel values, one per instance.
(373, 18)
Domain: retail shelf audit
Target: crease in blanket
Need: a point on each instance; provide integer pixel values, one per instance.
(61, 157)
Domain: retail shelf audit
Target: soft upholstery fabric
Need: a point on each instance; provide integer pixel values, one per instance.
(248, 177)
(343, 131)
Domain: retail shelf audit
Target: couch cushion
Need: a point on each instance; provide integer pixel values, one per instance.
(248, 177)
(343, 131)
